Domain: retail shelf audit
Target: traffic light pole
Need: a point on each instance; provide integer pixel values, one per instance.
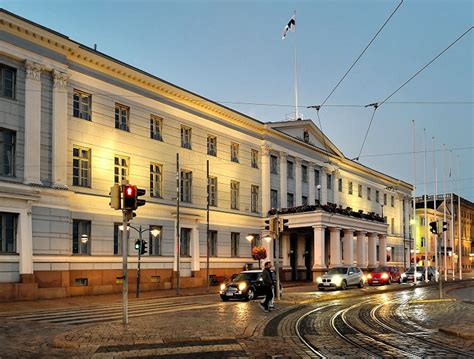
(277, 254)
(440, 279)
(125, 233)
(139, 257)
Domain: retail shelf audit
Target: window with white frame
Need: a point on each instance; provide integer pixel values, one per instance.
(117, 239)
(213, 243)
(186, 133)
(81, 237)
(7, 81)
(186, 186)
(350, 188)
(234, 194)
(156, 180)
(7, 152)
(156, 127)
(290, 200)
(289, 169)
(273, 164)
(82, 105)
(304, 173)
(122, 113)
(154, 242)
(339, 184)
(211, 145)
(121, 166)
(234, 244)
(254, 199)
(185, 242)
(8, 230)
(213, 191)
(273, 198)
(81, 166)
(234, 152)
(254, 158)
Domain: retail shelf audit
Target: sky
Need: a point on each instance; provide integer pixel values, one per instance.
(232, 52)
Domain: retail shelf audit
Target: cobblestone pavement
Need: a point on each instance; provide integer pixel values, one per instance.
(204, 327)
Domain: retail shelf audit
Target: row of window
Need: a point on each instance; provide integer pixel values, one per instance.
(369, 193)
(82, 108)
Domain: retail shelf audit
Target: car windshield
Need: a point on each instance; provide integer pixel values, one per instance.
(381, 269)
(245, 277)
(337, 271)
(418, 269)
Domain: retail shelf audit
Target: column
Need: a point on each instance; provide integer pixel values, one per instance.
(382, 249)
(372, 248)
(348, 247)
(265, 180)
(25, 245)
(335, 236)
(361, 261)
(283, 180)
(301, 251)
(195, 258)
(285, 238)
(298, 182)
(33, 123)
(311, 184)
(335, 188)
(324, 186)
(319, 248)
(59, 166)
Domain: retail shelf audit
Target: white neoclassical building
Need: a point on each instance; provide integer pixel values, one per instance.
(74, 121)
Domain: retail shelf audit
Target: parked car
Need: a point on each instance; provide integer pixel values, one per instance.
(246, 285)
(409, 275)
(341, 277)
(384, 275)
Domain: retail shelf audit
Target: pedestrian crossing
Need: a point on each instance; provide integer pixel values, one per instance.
(107, 312)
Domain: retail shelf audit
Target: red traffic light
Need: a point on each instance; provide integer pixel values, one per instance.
(129, 197)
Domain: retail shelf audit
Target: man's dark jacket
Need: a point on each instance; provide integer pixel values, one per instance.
(267, 277)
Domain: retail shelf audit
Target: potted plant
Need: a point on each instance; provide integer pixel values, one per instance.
(259, 253)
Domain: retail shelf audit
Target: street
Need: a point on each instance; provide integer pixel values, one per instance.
(389, 321)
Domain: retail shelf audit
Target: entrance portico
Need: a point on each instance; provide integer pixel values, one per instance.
(333, 236)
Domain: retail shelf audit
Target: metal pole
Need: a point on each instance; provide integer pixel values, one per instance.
(207, 228)
(277, 254)
(125, 267)
(435, 208)
(452, 212)
(425, 211)
(445, 241)
(459, 220)
(296, 77)
(178, 234)
(139, 257)
(414, 201)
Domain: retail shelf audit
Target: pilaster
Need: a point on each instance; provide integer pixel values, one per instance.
(195, 257)
(298, 182)
(348, 247)
(32, 123)
(283, 179)
(324, 186)
(25, 241)
(311, 184)
(335, 236)
(265, 179)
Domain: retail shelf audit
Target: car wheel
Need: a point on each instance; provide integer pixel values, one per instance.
(250, 294)
(361, 284)
(224, 298)
(344, 285)
(389, 281)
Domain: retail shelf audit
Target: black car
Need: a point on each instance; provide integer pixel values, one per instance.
(245, 285)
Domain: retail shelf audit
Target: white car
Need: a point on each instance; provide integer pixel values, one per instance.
(341, 277)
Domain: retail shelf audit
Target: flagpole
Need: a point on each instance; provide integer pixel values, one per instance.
(435, 208)
(452, 211)
(296, 76)
(445, 242)
(425, 211)
(414, 203)
(459, 220)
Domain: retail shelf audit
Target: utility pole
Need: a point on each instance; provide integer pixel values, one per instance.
(125, 234)
(207, 229)
(178, 235)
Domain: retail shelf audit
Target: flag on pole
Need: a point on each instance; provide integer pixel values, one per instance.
(289, 27)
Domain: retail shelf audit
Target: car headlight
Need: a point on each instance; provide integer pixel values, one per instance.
(384, 276)
(319, 280)
(369, 276)
(222, 286)
(419, 275)
(404, 275)
(242, 286)
(337, 279)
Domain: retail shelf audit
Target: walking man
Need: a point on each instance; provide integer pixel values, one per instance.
(267, 286)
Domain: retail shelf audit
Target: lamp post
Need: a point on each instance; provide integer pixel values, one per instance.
(154, 232)
(318, 187)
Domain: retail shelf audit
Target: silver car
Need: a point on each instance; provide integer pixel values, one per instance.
(341, 277)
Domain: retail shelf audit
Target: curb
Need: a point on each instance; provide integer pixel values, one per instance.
(423, 301)
(456, 333)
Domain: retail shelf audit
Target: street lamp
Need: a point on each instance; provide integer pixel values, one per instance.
(318, 187)
(249, 237)
(84, 238)
(154, 232)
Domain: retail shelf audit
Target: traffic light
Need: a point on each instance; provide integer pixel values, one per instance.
(445, 226)
(433, 228)
(140, 202)
(129, 197)
(283, 225)
(115, 197)
(270, 224)
(137, 244)
(143, 249)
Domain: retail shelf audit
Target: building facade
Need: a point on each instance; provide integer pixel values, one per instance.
(458, 226)
(74, 122)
